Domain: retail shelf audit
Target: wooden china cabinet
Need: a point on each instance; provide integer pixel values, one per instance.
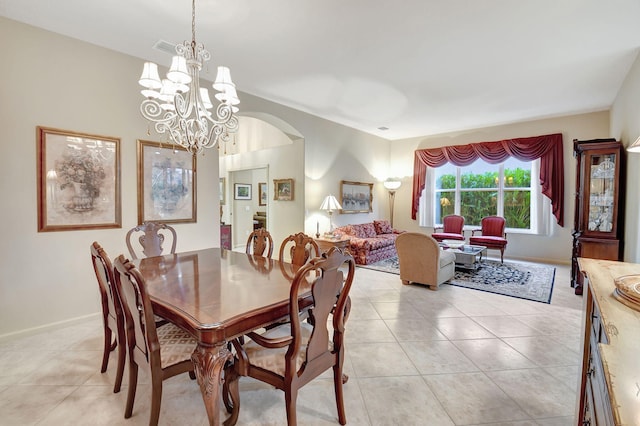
(597, 227)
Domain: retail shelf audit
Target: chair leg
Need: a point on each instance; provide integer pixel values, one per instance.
(133, 384)
(107, 348)
(290, 398)
(338, 380)
(502, 255)
(231, 396)
(156, 399)
(120, 371)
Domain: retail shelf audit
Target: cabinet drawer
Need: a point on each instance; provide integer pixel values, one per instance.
(599, 401)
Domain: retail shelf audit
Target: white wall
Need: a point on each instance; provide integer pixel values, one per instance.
(555, 247)
(625, 126)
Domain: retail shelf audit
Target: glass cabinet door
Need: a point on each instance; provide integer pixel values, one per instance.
(602, 179)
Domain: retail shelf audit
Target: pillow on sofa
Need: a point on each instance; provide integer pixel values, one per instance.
(364, 230)
(383, 227)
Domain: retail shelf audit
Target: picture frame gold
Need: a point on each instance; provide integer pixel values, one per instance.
(262, 194)
(167, 179)
(78, 177)
(283, 189)
(356, 197)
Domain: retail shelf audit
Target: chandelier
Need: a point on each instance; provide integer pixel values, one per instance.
(180, 107)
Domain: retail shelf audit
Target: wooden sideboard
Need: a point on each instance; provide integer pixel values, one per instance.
(225, 237)
(609, 392)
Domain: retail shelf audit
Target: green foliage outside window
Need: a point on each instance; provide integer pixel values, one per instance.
(479, 197)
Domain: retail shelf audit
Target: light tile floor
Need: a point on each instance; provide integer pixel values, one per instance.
(414, 357)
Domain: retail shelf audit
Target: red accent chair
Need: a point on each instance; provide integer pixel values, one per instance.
(451, 229)
(493, 235)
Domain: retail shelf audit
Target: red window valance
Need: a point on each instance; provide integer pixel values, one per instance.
(548, 148)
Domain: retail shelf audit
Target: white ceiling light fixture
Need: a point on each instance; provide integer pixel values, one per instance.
(180, 107)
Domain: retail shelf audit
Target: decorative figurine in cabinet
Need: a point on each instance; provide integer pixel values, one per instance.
(597, 229)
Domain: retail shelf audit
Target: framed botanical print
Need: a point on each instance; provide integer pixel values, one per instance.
(283, 189)
(262, 192)
(241, 191)
(356, 197)
(166, 183)
(78, 181)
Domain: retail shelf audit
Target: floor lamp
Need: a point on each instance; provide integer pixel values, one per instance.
(392, 186)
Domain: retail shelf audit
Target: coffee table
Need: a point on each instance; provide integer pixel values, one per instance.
(470, 257)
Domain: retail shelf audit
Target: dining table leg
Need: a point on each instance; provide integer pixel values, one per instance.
(209, 362)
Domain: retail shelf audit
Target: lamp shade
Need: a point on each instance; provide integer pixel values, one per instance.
(330, 203)
(635, 147)
(392, 184)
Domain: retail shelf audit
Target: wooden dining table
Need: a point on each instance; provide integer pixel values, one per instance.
(217, 295)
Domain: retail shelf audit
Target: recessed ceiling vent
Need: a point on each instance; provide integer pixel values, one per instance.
(165, 46)
(383, 128)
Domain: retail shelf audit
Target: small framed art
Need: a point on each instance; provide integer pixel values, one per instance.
(223, 191)
(262, 192)
(242, 191)
(283, 189)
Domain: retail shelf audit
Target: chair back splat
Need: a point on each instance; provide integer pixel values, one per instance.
(260, 243)
(151, 239)
(292, 354)
(301, 248)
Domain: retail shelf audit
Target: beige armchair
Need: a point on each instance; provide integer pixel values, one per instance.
(422, 261)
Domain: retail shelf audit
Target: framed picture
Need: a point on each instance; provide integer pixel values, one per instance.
(283, 189)
(223, 191)
(357, 197)
(166, 183)
(262, 192)
(242, 191)
(78, 181)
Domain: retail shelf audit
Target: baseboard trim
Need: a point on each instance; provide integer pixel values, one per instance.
(51, 326)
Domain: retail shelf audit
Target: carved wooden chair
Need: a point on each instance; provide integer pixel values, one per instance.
(493, 235)
(112, 315)
(165, 351)
(151, 239)
(451, 229)
(293, 354)
(301, 248)
(259, 242)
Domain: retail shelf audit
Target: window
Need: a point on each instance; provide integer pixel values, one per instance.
(482, 189)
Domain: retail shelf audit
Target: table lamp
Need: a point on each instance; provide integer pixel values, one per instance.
(330, 204)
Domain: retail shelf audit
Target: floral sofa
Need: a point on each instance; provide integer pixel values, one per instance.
(370, 242)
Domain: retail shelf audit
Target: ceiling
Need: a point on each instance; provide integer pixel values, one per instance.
(417, 67)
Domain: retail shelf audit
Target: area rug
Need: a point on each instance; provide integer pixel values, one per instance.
(524, 281)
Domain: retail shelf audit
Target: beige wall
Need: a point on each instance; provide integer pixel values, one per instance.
(555, 247)
(55, 81)
(625, 126)
(58, 82)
